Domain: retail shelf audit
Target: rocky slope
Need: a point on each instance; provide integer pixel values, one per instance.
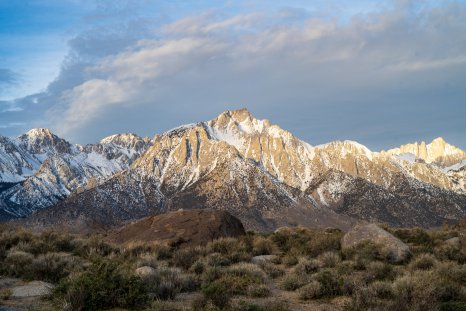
(39, 169)
(268, 178)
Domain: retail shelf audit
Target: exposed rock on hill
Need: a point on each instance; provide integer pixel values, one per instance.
(396, 250)
(183, 228)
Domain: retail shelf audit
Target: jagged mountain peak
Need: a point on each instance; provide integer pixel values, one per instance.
(124, 140)
(39, 132)
(241, 121)
(437, 152)
(42, 140)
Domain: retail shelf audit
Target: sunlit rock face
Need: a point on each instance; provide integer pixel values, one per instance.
(259, 172)
(437, 152)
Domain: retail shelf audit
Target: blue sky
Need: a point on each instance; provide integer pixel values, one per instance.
(379, 72)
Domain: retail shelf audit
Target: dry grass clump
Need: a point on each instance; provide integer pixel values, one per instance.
(166, 282)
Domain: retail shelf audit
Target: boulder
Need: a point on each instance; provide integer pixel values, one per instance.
(181, 228)
(144, 271)
(454, 242)
(32, 289)
(262, 258)
(396, 250)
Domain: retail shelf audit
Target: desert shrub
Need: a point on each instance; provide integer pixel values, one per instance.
(239, 277)
(52, 267)
(271, 269)
(306, 266)
(263, 246)
(216, 292)
(185, 258)
(211, 274)
(416, 236)
(415, 292)
(307, 242)
(163, 252)
(258, 291)
(225, 246)
(53, 241)
(451, 252)
(365, 252)
(290, 260)
(17, 263)
(165, 283)
(379, 270)
(217, 260)
(312, 290)
(424, 261)
(93, 248)
(452, 272)
(103, 286)
(331, 284)
(364, 299)
(381, 290)
(246, 269)
(292, 282)
(198, 267)
(9, 238)
(329, 259)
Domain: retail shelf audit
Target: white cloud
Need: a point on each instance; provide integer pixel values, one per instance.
(319, 77)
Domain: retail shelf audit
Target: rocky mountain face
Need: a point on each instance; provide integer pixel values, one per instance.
(260, 173)
(437, 152)
(39, 169)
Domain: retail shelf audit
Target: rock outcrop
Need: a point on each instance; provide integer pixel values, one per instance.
(32, 289)
(394, 248)
(181, 228)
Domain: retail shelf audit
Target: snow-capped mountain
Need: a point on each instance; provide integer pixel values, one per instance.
(38, 169)
(268, 178)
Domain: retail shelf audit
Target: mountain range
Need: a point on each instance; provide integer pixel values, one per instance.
(258, 171)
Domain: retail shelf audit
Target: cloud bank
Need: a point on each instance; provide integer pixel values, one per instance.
(382, 78)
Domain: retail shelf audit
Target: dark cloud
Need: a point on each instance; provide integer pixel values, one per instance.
(383, 78)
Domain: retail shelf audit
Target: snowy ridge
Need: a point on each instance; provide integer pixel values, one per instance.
(50, 168)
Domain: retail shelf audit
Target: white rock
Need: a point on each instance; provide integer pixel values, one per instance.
(32, 289)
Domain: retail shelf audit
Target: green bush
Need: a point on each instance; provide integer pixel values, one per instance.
(218, 293)
(103, 286)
